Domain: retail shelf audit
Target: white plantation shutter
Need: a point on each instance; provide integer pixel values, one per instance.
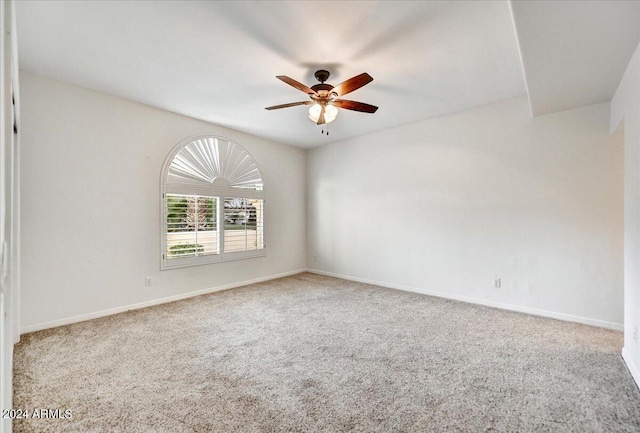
(212, 204)
(243, 224)
(192, 228)
(207, 158)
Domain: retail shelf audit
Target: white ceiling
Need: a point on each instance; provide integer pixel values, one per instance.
(217, 61)
(574, 54)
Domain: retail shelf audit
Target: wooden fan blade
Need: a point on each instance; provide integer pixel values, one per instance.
(321, 117)
(352, 84)
(291, 104)
(296, 84)
(355, 106)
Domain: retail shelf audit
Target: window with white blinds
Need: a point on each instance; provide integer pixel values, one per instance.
(212, 204)
(243, 227)
(192, 226)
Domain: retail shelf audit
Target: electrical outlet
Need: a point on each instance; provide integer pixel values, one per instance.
(497, 283)
(147, 281)
(315, 258)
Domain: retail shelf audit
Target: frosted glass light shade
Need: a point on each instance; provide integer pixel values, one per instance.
(330, 113)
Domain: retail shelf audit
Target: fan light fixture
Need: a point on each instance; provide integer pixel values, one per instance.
(324, 97)
(330, 113)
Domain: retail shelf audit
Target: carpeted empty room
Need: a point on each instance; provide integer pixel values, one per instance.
(310, 353)
(313, 216)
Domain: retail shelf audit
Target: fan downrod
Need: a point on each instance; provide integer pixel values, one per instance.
(322, 75)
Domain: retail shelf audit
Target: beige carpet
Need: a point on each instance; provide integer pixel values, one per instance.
(310, 353)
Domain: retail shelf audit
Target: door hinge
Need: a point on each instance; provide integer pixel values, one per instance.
(4, 258)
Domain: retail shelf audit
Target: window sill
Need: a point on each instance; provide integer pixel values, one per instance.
(211, 259)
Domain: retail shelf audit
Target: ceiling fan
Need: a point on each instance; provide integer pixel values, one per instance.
(323, 97)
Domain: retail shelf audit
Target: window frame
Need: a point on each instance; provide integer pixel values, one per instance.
(219, 189)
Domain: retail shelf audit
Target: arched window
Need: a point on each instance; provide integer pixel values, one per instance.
(212, 203)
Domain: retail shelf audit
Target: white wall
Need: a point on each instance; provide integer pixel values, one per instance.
(448, 204)
(90, 212)
(625, 113)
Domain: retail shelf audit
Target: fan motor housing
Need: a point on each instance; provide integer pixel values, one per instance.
(320, 87)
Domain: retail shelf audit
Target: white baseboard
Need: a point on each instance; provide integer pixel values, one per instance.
(471, 300)
(109, 312)
(633, 368)
(517, 308)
